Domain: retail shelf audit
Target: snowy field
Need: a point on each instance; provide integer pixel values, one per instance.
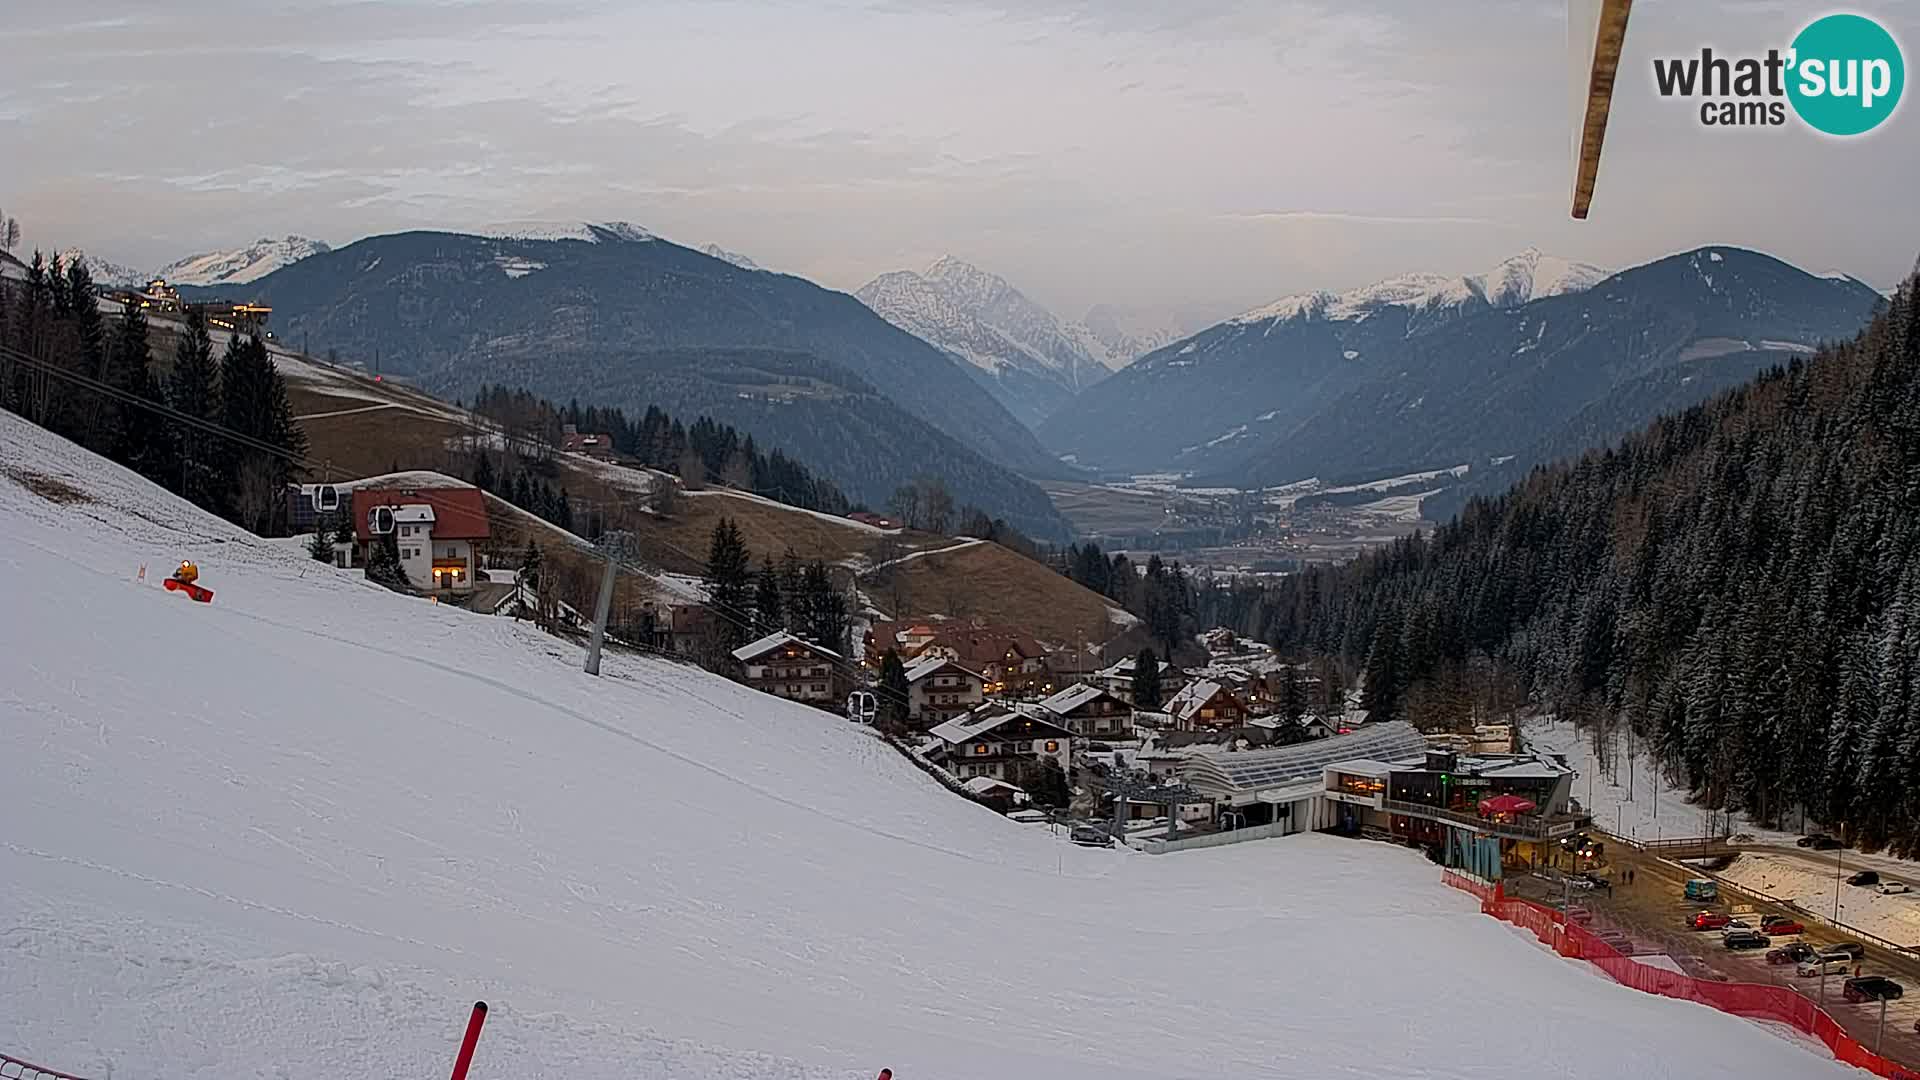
(295, 832)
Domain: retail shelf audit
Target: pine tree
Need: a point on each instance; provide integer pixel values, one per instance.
(194, 389)
(769, 611)
(383, 563)
(483, 471)
(142, 438)
(793, 591)
(320, 545)
(1292, 703)
(826, 609)
(729, 584)
(1146, 681)
(893, 693)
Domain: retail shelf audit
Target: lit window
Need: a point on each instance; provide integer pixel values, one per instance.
(980, 748)
(1053, 746)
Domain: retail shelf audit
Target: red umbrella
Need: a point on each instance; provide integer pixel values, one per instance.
(1506, 804)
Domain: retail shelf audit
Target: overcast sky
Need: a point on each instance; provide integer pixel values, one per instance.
(1198, 156)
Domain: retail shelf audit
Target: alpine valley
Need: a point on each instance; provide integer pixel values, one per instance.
(613, 315)
(1538, 357)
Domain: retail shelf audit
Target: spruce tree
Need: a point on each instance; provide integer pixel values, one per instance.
(893, 693)
(320, 545)
(729, 584)
(1147, 693)
(769, 613)
(194, 389)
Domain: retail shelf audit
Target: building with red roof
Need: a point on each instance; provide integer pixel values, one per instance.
(434, 528)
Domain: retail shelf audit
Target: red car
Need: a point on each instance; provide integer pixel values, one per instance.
(1780, 925)
(1708, 920)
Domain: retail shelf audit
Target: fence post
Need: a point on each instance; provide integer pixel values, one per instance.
(474, 1023)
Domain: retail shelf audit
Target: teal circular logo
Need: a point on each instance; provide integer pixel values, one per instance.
(1846, 74)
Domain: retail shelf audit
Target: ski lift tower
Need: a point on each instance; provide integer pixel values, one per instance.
(1124, 789)
(617, 546)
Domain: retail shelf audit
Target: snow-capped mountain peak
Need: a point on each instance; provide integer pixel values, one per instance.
(241, 265)
(103, 271)
(1527, 276)
(733, 257)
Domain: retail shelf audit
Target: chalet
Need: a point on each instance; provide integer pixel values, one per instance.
(434, 529)
(1012, 662)
(1117, 679)
(1206, 704)
(1000, 742)
(589, 445)
(785, 666)
(1091, 712)
(939, 689)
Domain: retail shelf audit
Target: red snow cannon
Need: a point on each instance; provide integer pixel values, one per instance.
(187, 580)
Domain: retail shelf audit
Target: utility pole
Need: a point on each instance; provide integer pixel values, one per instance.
(613, 543)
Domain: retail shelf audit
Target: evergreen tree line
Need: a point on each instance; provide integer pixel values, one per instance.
(522, 486)
(1738, 585)
(53, 317)
(797, 597)
(1162, 594)
(705, 450)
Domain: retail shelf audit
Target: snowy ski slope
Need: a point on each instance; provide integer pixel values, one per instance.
(295, 832)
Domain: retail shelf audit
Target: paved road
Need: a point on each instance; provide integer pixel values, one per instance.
(1652, 912)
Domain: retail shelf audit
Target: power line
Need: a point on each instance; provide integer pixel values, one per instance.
(741, 619)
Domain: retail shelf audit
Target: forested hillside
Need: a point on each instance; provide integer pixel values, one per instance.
(1739, 583)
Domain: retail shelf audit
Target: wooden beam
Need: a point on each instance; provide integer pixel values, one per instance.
(1609, 38)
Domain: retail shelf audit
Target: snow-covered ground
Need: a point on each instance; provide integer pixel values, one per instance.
(1623, 799)
(296, 831)
(1811, 882)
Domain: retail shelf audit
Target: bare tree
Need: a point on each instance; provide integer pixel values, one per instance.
(739, 472)
(906, 505)
(9, 232)
(663, 497)
(255, 493)
(693, 471)
(936, 503)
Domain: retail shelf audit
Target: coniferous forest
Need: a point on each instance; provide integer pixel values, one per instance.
(1739, 584)
(228, 444)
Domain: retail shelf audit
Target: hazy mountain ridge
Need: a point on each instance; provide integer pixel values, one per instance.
(1427, 371)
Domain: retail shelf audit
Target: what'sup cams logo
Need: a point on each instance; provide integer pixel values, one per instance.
(1842, 75)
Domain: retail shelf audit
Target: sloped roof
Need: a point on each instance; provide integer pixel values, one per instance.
(1253, 770)
(926, 666)
(752, 649)
(1065, 701)
(1192, 697)
(989, 718)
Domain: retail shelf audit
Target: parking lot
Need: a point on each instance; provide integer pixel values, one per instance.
(1651, 913)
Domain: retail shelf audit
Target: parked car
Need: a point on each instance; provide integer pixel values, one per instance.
(1791, 954)
(1871, 988)
(1578, 914)
(1889, 888)
(1865, 877)
(1707, 920)
(1818, 841)
(1736, 926)
(1852, 950)
(1745, 939)
(1823, 965)
(1781, 926)
(1582, 881)
(1090, 836)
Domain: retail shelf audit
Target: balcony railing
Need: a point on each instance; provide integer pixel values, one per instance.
(1522, 827)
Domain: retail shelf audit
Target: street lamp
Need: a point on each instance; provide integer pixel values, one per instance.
(1839, 855)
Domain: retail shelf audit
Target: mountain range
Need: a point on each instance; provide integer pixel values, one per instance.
(236, 266)
(1427, 371)
(1032, 361)
(616, 316)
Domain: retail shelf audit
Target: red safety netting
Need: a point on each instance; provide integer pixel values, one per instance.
(1751, 1000)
